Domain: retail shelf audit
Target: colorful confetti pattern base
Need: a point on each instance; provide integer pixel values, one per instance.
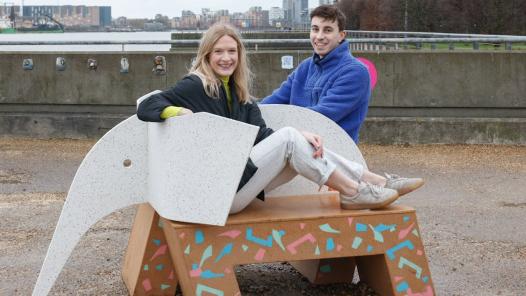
(387, 248)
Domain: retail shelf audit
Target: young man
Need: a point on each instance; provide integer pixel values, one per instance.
(331, 82)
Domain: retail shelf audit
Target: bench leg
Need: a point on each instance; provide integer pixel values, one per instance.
(193, 279)
(326, 271)
(148, 268)
(374, 271)
(402, 266)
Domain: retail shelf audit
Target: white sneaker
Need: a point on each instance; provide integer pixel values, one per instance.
(369, 196)
(403, 185)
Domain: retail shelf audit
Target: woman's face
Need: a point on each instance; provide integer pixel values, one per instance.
(224, 56)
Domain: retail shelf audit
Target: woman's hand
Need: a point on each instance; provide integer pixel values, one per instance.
(172, 111)
(185, 111)
(316, 142)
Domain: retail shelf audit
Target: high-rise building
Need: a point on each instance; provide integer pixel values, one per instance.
(329, 2)
(188, 20)
(258, 18)
(276, 16)
(6, 11)
(222, 16)
(105, 16)
(296, 13)
(70, 15)
(304, 19)
(287, 12)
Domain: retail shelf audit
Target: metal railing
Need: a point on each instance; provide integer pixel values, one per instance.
(401, 34)
(357, 43)
(387, 40)
(436, 43)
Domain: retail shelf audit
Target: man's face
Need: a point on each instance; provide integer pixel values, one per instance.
(324, 35)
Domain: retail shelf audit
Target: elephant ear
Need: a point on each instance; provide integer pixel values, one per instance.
(334, 137)
(195, 163)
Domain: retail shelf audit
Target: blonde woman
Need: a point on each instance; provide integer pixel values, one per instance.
(219, 83)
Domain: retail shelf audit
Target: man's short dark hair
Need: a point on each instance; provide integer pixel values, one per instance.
(330, 13)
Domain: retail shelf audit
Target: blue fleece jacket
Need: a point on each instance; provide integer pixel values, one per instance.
(337, 86)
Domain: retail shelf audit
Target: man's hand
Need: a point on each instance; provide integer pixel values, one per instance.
(316, 142)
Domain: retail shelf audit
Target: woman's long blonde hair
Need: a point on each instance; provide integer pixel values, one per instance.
(242, 76)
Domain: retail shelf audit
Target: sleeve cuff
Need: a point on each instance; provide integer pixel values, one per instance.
(170, 111)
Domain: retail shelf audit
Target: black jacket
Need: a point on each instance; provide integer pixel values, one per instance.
(190, 93)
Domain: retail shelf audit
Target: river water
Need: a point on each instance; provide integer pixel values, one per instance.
(87, 36)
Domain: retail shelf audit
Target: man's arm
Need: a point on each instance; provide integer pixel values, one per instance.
(350, 91)
(282, 94)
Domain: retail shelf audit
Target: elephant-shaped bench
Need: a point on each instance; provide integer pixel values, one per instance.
(182, 233)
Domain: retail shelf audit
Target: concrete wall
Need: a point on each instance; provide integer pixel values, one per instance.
(411, 85)
(430, 80)
(106, 85)
(444, 79)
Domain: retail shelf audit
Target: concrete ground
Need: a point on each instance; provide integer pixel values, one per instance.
(471, 213)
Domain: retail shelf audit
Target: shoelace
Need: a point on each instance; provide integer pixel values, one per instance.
(391, 176)
(375, 189)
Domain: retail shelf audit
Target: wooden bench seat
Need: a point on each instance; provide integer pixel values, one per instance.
(311, 230)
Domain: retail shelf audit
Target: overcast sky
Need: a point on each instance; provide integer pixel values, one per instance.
(171, 8)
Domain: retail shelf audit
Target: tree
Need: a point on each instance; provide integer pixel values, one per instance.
(455, 16)
(377, 15)
(352, 9)
(163, 20)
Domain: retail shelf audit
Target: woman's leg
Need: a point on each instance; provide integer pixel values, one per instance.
(345, 178)
(357, 173)
(373, 178)
(279, 158)
(354, 170)
(348, 175)
(358, 187)
(285, 154)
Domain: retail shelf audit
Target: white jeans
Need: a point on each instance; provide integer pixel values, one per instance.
(285, 154)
